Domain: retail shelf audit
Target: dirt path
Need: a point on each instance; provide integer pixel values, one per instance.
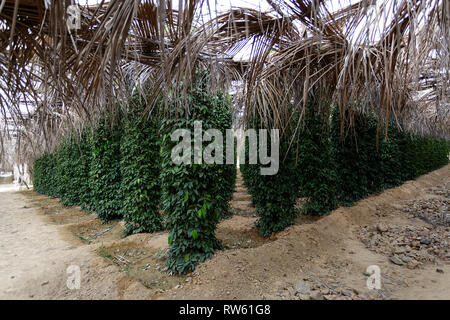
(322, 258)
(35, 258)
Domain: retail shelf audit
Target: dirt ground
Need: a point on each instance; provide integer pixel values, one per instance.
(404, 231)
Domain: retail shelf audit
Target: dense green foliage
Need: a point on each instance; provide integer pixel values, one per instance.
(105, 176)
(194, 196)
(273, 196)
(306, 168)
(44, 175)
(88, 171)
(140, 167)
(352, 157)
(424, 154)
(316, 168)
(82, 167)
(65, 172)
(66, 154)
(365, 169)
(329, 170)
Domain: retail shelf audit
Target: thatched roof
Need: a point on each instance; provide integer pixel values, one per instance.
(398, 67)
(29, 12)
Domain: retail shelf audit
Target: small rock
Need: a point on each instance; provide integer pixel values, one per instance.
(382, 227)
(302, 288)
(425, 241)
(178, 286)
(304, 296)
(439, 271)
(346, 293)
(44, 283)
(188, 279)
(316, 296)
(396, 261)
(407, 259)
(325, 291)
(415, 244)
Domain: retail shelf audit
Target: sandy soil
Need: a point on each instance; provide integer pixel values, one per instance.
(36, 254)
(313, 259)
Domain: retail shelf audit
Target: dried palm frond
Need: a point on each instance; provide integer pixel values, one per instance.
(358, 53)
(389, 57)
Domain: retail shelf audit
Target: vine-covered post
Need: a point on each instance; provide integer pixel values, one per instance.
(194, 193)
